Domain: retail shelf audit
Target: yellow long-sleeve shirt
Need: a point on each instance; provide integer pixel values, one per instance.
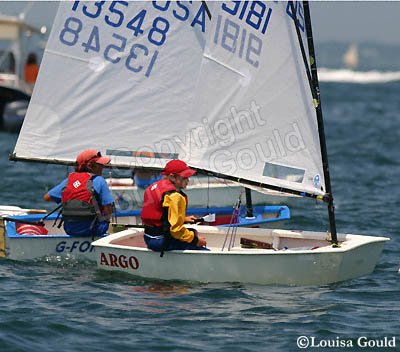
(176, 204)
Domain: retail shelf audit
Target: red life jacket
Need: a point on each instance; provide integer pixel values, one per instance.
(76, 187)
(152, 210)
(79, 198)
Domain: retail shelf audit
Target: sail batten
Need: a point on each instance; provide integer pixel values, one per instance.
(209, 57)
(66, 56)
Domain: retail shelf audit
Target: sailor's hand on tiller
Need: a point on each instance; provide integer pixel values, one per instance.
(202, 242)
(190, 219)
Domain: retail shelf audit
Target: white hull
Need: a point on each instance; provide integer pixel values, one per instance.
(53, 246)
(49, 248)
(300, 264)
(57, 244)
(201, 193)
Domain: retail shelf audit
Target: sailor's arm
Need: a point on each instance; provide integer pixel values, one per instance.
(47, 198)
(176, 217)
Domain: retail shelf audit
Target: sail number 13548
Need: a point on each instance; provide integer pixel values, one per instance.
(70, 35)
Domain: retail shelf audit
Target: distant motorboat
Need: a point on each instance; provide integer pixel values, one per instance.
(13, 88)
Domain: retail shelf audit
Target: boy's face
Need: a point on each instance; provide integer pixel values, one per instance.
(96, 169)
(180, 181)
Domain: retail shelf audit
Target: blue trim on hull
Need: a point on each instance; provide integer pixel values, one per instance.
(259, 213)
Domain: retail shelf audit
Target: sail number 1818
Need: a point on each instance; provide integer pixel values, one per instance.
(254, 13)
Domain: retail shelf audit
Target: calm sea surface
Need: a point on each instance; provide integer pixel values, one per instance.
(69, 306)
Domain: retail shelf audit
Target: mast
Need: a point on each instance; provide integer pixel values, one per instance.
(321, 131)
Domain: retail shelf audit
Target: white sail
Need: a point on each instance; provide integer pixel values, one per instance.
(254, 99)
(230, 96)
(115, 76)
(350, 57)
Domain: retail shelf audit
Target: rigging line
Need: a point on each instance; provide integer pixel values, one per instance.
(235, 223)
(226, 182)
(231, 227)
(204, 3)
(234, 227)
(303, 54)
(225, 239)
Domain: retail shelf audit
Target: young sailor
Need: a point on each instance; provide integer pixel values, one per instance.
(86, 200)
(164, 211)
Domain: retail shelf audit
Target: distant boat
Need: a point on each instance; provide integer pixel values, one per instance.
(22, 239)
(15, 93)
(202, 191)
(350, 57)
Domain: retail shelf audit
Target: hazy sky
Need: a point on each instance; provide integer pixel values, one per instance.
(355, 21)
(344, 21)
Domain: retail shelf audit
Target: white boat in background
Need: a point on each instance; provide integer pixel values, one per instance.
(31, 234)
(202, 191)
(22, 238)
(229, 87)
(14, 91)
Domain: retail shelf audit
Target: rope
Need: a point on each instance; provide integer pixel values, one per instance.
(233, 224)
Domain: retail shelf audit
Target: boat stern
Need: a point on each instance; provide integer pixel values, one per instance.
(361, 255)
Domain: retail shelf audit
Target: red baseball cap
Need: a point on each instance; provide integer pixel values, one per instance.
(91, 155)
(178, 167)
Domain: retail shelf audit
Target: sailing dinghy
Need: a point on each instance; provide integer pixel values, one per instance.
(229, 87)
(22, 238)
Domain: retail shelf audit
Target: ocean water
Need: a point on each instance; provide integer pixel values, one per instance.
(69, 306)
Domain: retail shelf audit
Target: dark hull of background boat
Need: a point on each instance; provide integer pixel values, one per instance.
(13, 105)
